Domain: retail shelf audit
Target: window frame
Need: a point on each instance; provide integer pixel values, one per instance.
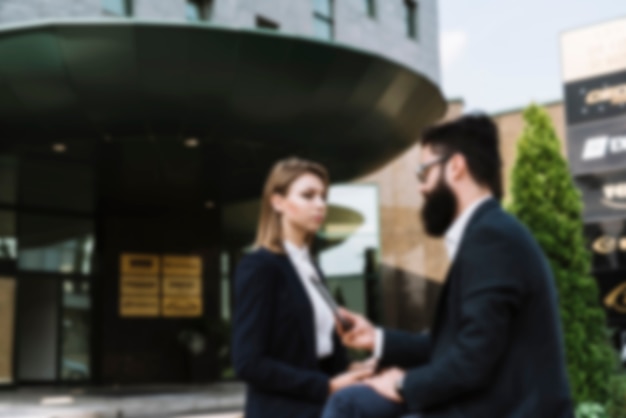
(370, 8)
(412, 19)
(263, 23)
(327, 19)
(205, 10)
(128, 9)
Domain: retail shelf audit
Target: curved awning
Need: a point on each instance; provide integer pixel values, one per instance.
(257, 96)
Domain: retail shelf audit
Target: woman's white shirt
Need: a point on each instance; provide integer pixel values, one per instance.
(323, 316)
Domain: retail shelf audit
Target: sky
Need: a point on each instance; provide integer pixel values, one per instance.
(500, 55)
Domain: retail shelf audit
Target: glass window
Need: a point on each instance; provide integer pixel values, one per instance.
(8, 179)
(411, 18)
(369, 7)
(323, 19)
(8, 241)
(75, 330)
(323, 29)
(323, 7)
(225, 273)
(118, 7)
(199, 10)
(46, 183)
(55, 244)
(37, 332)
(349, 241)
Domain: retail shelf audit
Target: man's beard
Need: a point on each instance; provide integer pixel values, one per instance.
(439, 209)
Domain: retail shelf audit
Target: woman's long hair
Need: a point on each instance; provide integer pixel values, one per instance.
(284, 173)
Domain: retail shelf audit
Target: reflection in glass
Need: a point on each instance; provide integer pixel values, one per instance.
(55, 244)
(225, 286)
(117, 7)
(56, 184)
(410, 8)
(359, 233)
(352, 237)
(198, 10)
(368, 7)
(8, 179)
(323, 7)
(75, 319)
(8, 242)
(323, 29)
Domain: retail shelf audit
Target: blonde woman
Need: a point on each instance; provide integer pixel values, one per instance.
(284, 342)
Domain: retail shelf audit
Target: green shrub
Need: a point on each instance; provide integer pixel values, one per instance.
(544, 198)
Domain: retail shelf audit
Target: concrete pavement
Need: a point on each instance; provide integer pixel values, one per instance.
(220, 400)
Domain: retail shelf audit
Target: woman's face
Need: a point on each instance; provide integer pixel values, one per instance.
(304, 205)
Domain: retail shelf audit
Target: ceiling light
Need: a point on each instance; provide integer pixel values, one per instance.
(192, 142)
(59, 147)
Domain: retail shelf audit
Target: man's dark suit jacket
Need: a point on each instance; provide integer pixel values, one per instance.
(496, 346)
(274, 342)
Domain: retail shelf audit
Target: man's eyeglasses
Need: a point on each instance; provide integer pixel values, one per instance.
(423, 169)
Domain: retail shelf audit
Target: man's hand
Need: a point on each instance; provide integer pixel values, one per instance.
(385, 384)
(349, 378)
(362, 334)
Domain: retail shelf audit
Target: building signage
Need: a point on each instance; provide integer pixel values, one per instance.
(139, 306)
(594, 75)
(182, 307)
(182, 266)
(612, 288)
(594, 51)
(152, 285)
(140, 264)
(604, 197)
(598, 146)
(596, 99)
(7, 320)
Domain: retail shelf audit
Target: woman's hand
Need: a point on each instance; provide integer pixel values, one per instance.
(350, 378)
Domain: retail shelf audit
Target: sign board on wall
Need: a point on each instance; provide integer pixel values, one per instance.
(7, 323)
(182, 286)
(594, 75)
(152, 285)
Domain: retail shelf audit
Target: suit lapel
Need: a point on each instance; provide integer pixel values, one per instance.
(299, 293)
(481, 211)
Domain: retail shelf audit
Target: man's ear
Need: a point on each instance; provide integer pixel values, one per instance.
(277, 202)
(457, 166)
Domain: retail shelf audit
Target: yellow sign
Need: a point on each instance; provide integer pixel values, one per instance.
(616, 95)
(604, 245)
(182, 307)
(7, 318)
(182, 286)
(139, 286)
(616, 299)
(139, 264)
(169, 286)
(139, 306)
(182, 266)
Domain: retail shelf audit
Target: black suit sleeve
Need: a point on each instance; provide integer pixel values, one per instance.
(255, 283)
(404, 349)
(340, 355)
(491, 292)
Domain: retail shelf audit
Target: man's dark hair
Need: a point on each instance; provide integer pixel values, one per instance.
(476, 138)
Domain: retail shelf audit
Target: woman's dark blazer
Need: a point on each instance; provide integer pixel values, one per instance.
(274, 347)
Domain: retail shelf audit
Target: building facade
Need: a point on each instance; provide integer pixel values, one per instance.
(135, 139)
